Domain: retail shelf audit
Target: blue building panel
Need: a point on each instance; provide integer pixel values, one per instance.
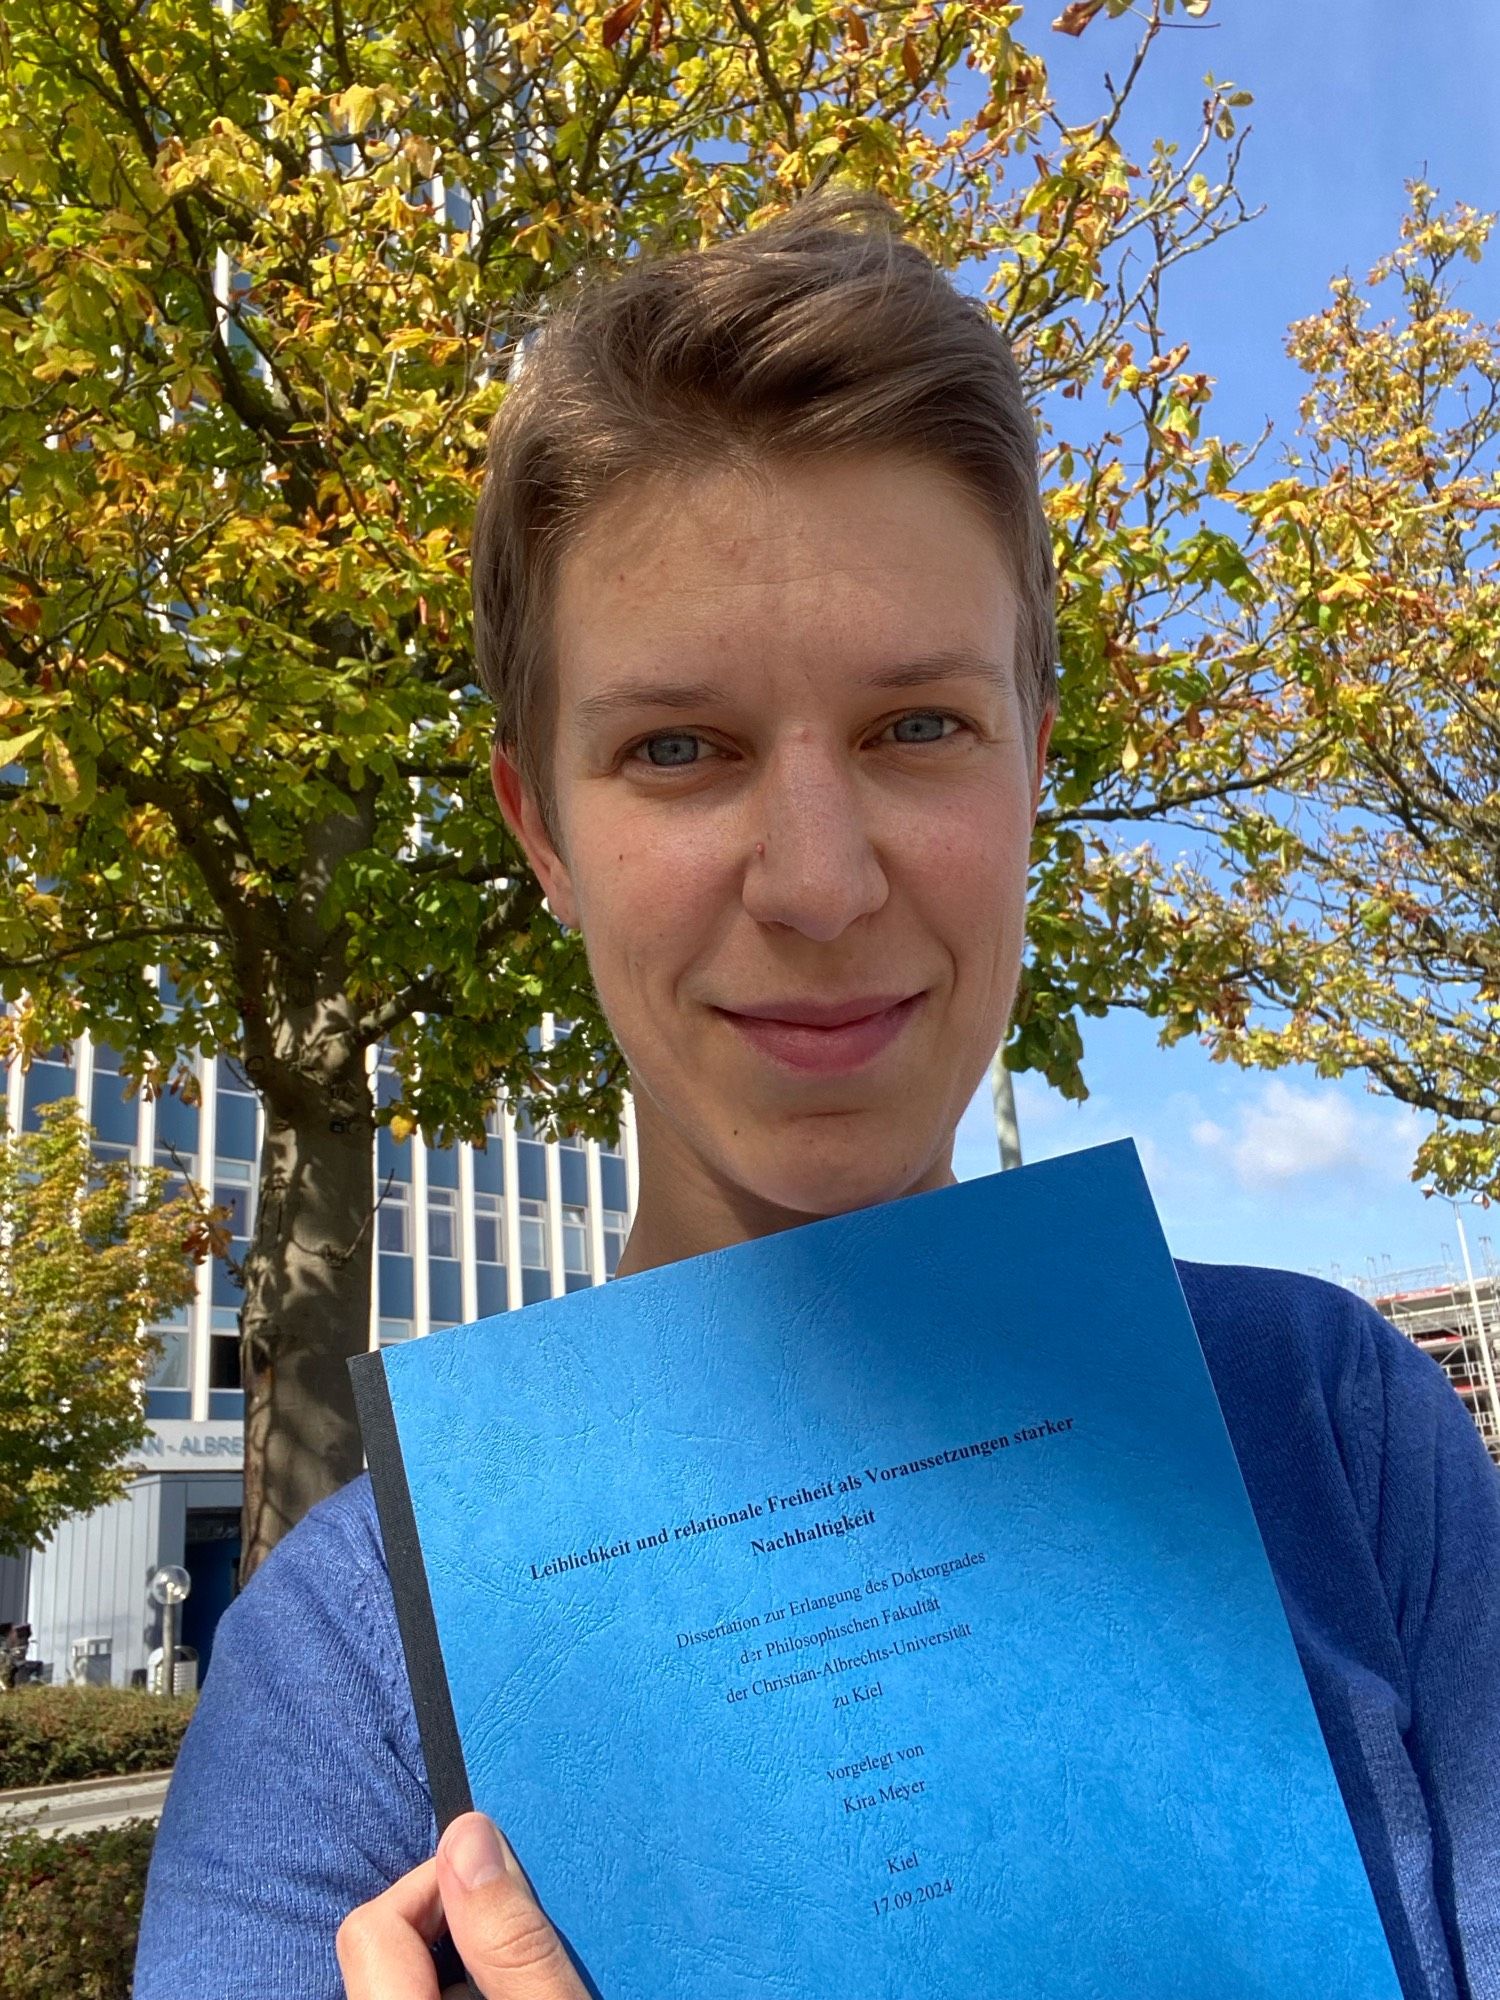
(43, 1084)
(493, 1296)
(612, 1182)
(113, 1115)
(396, 1297)
(575, 1176)
(442, 1166)
(225, 1292)
(176, 1127)
(234, 1134)
(489, 1168)
(531, 1169)
(445, 1299)
(535, 1285)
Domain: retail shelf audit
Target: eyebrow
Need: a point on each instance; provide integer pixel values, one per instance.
(953, 663)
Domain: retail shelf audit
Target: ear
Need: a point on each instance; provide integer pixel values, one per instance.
(523, 815)
(1039, 765)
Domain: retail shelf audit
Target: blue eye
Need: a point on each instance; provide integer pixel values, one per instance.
(922, 728)
(671, 752)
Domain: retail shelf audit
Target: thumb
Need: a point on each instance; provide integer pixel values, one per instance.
(509, 1949)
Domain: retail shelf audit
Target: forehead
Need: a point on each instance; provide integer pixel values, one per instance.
(807, 564)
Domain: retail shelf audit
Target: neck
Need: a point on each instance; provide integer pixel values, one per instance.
(686, 1207)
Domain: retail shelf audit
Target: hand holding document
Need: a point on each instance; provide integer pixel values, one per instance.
(474, 1886)
(866, 1608)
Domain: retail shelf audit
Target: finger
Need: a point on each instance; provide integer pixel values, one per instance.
(382, 1946)
(509, 1949)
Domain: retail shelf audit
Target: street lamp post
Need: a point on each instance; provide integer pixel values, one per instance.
(169, 1587)
(1007, 1127)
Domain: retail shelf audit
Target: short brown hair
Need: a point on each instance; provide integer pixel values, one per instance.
(819, 334)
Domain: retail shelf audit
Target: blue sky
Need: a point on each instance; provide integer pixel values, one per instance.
(1352, 99)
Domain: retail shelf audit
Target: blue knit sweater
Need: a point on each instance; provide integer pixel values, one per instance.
(300, 1789)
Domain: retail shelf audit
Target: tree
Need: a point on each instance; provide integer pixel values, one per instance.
(1360, 904)
(88, 1259)
(260, 272)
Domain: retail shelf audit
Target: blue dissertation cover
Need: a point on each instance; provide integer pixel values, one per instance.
(874, 1608)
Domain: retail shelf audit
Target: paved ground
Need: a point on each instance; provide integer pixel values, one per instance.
(81, 1808)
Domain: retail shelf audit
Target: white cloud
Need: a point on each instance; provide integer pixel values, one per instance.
(1289, 1133)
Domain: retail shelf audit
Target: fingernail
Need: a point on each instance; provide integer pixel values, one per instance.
(475, 1852)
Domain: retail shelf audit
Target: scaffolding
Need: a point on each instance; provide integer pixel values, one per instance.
(1453, 1315)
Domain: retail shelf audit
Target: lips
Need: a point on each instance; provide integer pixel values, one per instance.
(825, 1037)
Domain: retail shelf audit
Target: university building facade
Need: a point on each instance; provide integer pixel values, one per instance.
(462, 1233)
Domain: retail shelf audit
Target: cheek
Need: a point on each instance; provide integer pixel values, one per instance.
(968, 866)
(651, 899)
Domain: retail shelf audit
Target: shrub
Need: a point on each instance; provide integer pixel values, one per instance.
(70, 1909)
(51, 1735)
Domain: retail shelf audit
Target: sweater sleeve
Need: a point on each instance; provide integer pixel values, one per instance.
(299, 1791)
(1438, 1546)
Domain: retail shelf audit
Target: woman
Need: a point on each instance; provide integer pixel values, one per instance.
(764, 598)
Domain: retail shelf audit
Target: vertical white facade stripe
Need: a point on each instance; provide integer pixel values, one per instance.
(421, 1294)
(595, 1212)
(468, 1275)
(202, 1307)
(512, 1213)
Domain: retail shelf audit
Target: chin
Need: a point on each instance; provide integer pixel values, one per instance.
(824, 1174)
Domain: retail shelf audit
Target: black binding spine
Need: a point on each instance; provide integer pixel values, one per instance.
(447, 1775)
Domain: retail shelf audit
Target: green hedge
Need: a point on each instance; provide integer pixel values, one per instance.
(70, 1909)
(54, 1735)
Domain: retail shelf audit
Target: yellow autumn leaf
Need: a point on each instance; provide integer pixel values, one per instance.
(354, 106)
(62, 772)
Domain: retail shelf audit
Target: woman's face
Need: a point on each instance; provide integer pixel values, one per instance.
(793, 799)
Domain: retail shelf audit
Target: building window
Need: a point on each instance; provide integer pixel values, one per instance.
(489, 1228)
(178, 1172)
(575, 1235)
(395, 1219)
(224, 1349)
(234, 1105)
(233, 1189)
(171, 1371)
(394, 1330)
(387, 1082)
(112, 1113)
(534, 1236)
(616, 1227)
(50, 1077)
(176, 1128)
(442, 1222)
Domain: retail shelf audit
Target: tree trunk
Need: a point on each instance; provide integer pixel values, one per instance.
(307, 1294)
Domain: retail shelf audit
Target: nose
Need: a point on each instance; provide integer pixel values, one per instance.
(811, 864)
